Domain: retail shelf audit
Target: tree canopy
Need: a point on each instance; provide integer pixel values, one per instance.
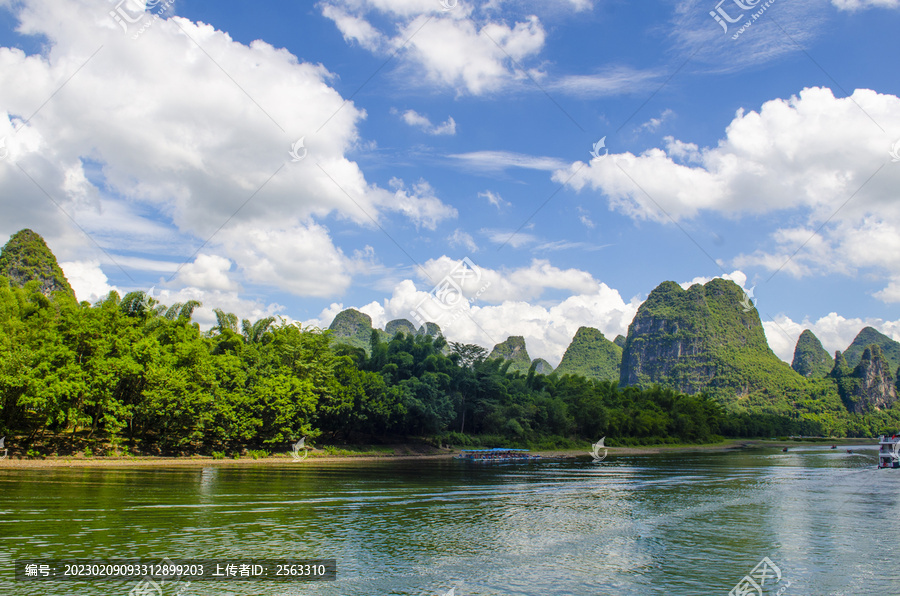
(131, 370)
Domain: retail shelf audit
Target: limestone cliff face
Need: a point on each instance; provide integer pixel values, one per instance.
(513, 349)
(669, 339)
(870, 386)
(666, 351)
(703, 339)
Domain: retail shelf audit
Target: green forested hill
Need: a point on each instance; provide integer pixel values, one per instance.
(401, 325)
(353, 328)
(701, 339)
(810, 358)
(432, 329)
(868, 336)
(513, 349)
(541, 366)
(26, 257)
(591, 355)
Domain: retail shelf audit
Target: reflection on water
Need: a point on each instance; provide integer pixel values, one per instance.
(689, 523)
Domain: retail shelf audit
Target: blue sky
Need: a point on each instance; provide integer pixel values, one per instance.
(149, 144)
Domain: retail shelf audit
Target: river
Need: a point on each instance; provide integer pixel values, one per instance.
(821, 521)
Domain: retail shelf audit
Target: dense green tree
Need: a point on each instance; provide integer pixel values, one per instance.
(135, 370)
(225, 321)
(469, 354)
(255, 333)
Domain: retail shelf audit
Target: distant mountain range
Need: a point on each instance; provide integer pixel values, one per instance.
(354, 328)
(707, 338)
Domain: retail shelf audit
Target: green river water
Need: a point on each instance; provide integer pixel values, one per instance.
(673, 524)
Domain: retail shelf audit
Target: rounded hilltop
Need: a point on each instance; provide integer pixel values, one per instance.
(26, 258)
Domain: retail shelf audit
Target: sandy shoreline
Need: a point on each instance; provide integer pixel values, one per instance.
(321, 457)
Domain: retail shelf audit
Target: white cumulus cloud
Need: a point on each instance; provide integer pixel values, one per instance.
(822, 157)
(498, 310)
(87, 280)
(209, 272)
(452, 49)
(174, 164)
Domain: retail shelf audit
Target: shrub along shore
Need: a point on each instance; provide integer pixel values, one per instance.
(369, 453)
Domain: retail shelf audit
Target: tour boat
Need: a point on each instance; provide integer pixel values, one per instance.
(888, 448)
(497, 454)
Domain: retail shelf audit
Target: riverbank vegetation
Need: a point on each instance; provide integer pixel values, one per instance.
(135, 376)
